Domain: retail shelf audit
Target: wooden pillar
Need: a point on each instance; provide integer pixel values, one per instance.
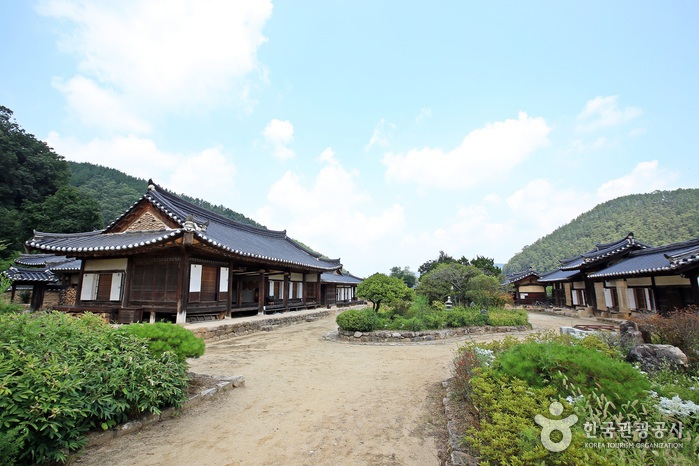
(126, 292)
(318, 290)
(229, 300)
(239, 293)
(303, 289)
(37, 296)
(183, 289)
(261, 294)
(287, 285)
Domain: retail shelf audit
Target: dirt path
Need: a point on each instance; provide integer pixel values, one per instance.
(307, 401)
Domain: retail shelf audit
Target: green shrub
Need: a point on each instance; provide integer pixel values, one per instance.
(502, 317)
(433, 320)
(61, 376)
(465, 317)
(506, 432)
(166, 336)
(539, 364)
(414, 324)
(358, 320)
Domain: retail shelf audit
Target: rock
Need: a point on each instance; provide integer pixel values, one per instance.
(357, 334)
(628, 326)
(653, 357)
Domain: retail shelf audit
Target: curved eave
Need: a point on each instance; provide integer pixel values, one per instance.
(170, 235)
(592, 260)
(275, 260)
(628, 273)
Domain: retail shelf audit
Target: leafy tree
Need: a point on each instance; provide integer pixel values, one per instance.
(380, 288)
(31, 170)
(67, 211)
(443, 258)
(485, 291)
(487, 266)
(448, 279)
(405, 274)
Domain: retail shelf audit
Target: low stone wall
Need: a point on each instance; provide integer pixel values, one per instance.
(394, 336)
(236, 329)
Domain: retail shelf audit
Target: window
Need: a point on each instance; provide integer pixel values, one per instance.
(610, 298)
(641, 298)
(104, 287)
(155, 282)
(204, 283)
(311, 291)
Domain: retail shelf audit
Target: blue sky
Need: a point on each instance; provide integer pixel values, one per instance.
(377, 132)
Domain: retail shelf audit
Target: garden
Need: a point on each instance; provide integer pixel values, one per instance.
(62, 377)
(450, 295)
(560, 399)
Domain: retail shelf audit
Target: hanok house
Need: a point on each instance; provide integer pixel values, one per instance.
(48, 279)
(572, 279)
(339, 289)
(527, 289)
(166, 258)
(652, 279)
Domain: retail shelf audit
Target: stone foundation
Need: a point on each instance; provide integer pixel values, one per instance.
(394, 336)
(236, 329)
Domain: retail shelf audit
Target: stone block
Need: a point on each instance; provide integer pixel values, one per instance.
(129, 428)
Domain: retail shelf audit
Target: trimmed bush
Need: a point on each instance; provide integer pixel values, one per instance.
(358, 320)
(539, 364)
(60, 376)
(166, 336)
(465, 317)
(503, 318)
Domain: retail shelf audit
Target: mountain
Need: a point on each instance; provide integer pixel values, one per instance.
(116, 191)
(658, 218)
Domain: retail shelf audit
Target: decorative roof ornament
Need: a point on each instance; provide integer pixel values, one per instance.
(189, 224)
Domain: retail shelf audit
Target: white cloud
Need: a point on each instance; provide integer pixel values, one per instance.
(186, 173)
(95, 106)
(157, 55)
(331, 212)
(644, 178)
(380, 135)
(279, 133)
(603, 112)
(484, 154)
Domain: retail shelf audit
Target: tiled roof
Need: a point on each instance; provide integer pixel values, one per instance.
(653, 260)
(515, 277)
(558, 275)
(602, 251)
(53, 262)
(690, 257)
(23, 274)
(70, 266)
(215, 230)
(346, 279)
(99, 241)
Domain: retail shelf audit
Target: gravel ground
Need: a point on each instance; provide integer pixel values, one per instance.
(308, 401)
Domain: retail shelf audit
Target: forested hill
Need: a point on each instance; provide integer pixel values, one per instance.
(116, 191)
(658, 218)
